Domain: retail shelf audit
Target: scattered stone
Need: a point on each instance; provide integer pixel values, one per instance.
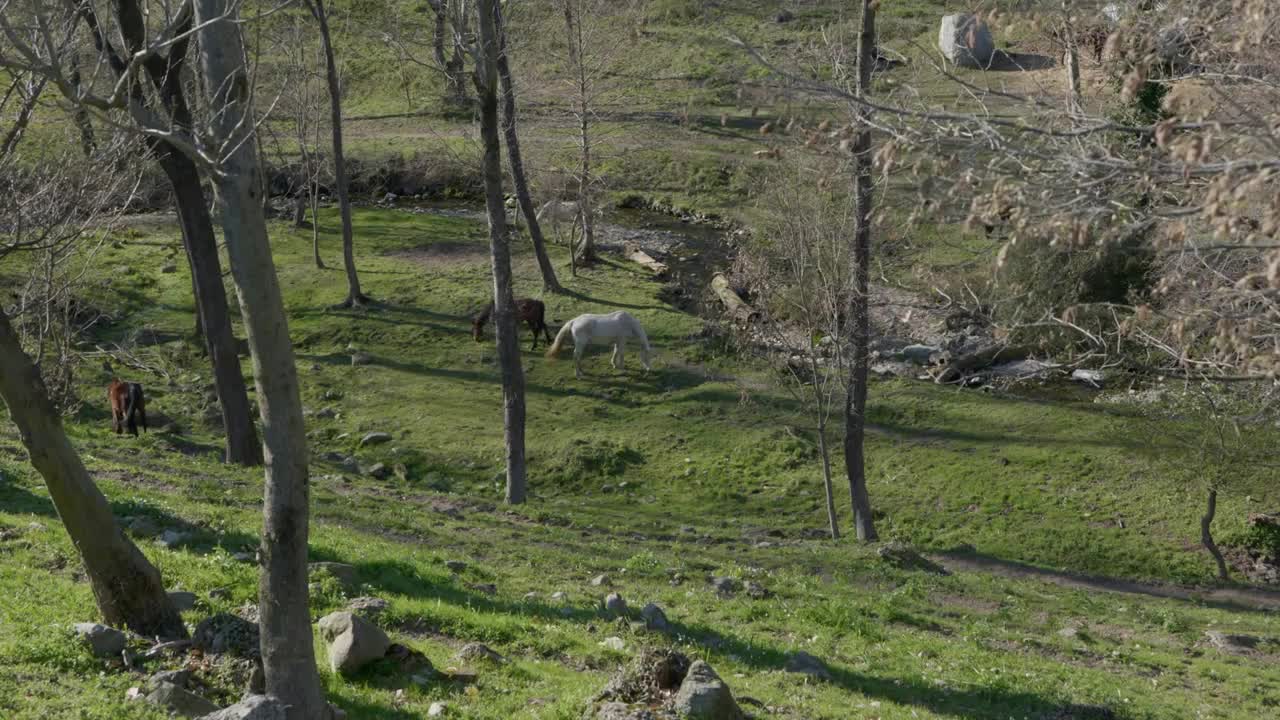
(903, 556)
(966, 41)
(601, 581)
(183, 600)
(803, 663)
(375, 438)
(379, 471)
(615, 605)
(613, 643)
(180, 678)
(484, 588)
(437, 709)
(227, 633)
(1233, 644)
(360, 358)
(369, 607)
(353, 641)
(756, 591)
(254, 707)
(479, 651)
(173, 538)
(704, 696)
(346, 574)
(179, 701)
(455, 565)
(104, 641)
(1095, 378)
(725, 586)
(654, 618)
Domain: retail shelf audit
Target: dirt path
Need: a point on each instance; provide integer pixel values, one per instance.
(1234, 598)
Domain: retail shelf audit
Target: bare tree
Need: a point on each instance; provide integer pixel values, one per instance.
(488, 50)
(575, 15)
(355, 297)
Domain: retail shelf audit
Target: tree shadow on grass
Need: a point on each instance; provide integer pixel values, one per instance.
(18, 500)
(583, 297)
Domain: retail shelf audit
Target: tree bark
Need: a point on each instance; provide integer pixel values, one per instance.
(355, 297)
(549, 281)
(128, 589)
(486, 79)
(573, 26)
(1206, 534)
(855, 409)
(455, 68)
(288, 654)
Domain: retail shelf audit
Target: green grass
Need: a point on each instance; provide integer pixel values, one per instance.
(714, 456)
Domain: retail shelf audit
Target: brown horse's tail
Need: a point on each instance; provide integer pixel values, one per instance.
(564, 333)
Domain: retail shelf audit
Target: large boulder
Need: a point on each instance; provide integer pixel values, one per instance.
(704, 696)
(102, 640)
(966, 41)
(254, 707)
(353, 641)
(178, 701)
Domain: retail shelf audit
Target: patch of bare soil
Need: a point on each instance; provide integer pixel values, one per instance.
(445, 254)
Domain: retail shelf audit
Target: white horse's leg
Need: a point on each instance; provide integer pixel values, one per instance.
(619, 352)
(578, 349)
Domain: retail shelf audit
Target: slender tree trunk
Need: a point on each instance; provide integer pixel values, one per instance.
(549, 281)
(503, 299)
(441, 10)
(455, 76)
(128, 589)
(1071, 59)
(212, 313)
(573, 26)
(1206, 534)
(827, 484)
(25, 110)
(355, 298)
(288, 654)
(80, 116)
(855, 409)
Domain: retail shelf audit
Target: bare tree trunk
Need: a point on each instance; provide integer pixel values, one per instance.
(1071, 60)
(455, 68)
(28, 106)
(128, 589)
(503, 299)
(441, 10)
(827, 485)
(288, 654)
(549, 281)
(355, 298)
(855, 409)
(212, 313)
(80, 116)
(573, 26)
(1206, 535)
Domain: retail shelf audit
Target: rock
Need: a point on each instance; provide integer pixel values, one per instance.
(920, 354)
(327, 413)
(1233, 644)
(245, 557)
(455, 565)
(1096, 378)
(254, 707)
(226, 633)
(179, 701)
(346, 574)
(531, 596)
(375, 438)
(654, 618)
(183, 600)
(621, 711)
(389, 198)
(704, 696)
(437, 709)
(613, 643)
(601, 581)
(725, 586)
(756, 591)
(805, 664)
(379, 471)
(484, 588)
(559, 596)
(351, 465)
(172, 538)
(783, 16)
(102, 640)
(180, 678)
(615, 605)
(410, 661)
(966, 41)
(479, 651)
(353, 641)
(369, 607)
(361, 358)
(901, 555)
(169, 267)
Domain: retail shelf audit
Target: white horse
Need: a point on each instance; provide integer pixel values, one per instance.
(614, 328)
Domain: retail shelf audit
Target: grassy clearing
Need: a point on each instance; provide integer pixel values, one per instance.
(720, 479)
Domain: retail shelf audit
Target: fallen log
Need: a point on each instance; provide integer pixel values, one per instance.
(983, 357)
(643, 258)
(737, 308)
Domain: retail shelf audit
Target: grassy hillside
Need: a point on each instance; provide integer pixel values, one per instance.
(701, 468)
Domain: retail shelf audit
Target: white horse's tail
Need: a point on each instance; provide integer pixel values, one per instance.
(564, 333)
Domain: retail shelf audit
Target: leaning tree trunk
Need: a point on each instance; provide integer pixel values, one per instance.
(503, 300)
(827, 485)
(855, 408)
(354, 296)
(549, 281)
(1206, 534)
(128, 589)
(288, 654)
(212, 313)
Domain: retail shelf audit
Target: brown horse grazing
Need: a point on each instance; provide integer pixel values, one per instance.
(127, 406)
(528, 310)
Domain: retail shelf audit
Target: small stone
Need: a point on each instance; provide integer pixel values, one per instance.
(179, 678)
(182, 600)
(379, 471)
(484, 588)
(437, 709)
(360, 358)
(327, 413)
(479, 651)
(920, 354)
(375, 438)
(755, 590)
(601, 581)
(245, 557)
(725, 586)
(369, 607)
(102, 640)
(654, 618)
(179, 701)
(1095, 378)
(559, 596)
(455, 565)
(805, 664)
(615, 605)
(172, 538)
(613, 643)
(169, 267)
(346, 574)
(254, 707)
(531, 596)
(353, 641)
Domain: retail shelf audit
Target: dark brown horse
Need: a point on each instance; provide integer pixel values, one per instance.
(531, 311)
(127, 406)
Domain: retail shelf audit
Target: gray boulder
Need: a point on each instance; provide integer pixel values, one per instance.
(375, 438)
(725, 586)
(102, 640)
(353, 641)
(369, 607)
(227, 633)
(601, 581)
(614, 604)
(179, 701)
(254, 707)
(704, 696)
(965, 40)
(920, 354)
(655, 618)
(479, 651)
